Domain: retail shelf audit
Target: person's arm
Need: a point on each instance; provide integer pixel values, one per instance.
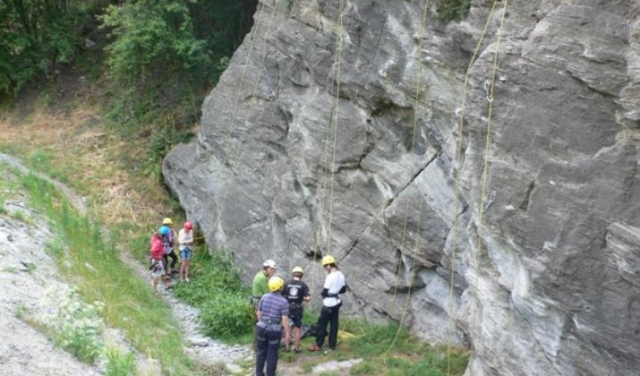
(287, 330)
(307, 295)
(259, 310)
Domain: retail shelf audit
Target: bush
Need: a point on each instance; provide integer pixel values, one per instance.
(119, 364)
(35, 36)
(77, 327)
(453, 10)
(216, 289)
(227, 316)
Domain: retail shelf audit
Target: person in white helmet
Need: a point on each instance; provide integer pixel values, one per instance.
(296, 292)
(260, 287)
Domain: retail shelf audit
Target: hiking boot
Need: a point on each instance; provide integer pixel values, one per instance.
(314, 347)
(297, 351)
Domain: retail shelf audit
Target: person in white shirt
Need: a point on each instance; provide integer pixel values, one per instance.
(185, 239)
(334, 284)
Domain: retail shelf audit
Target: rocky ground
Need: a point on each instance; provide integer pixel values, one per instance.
(32, 291)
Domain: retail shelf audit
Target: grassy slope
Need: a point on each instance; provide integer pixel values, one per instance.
(60, 131)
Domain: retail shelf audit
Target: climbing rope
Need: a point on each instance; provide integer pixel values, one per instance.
(227, 151)
(485, 174)
(325, 155)
(458, 162)
(336, 112)
(419, 84)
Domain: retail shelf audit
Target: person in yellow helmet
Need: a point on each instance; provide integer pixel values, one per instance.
(296, 292)
(169, 241)
(334, 284)
(273, 315)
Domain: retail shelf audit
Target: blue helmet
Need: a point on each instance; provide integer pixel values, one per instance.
(164, 230)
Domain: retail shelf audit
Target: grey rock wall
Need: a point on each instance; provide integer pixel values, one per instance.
(343, 135)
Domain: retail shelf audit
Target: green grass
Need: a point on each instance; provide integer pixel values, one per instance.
(93, 265)
(216, 289)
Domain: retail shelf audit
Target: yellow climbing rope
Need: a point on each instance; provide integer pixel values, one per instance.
(230, 129)
(335, 121)
(419, 84)
(485, 174)
(458, 167)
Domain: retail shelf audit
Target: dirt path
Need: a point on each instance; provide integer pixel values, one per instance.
(21, 344)
(202, 349)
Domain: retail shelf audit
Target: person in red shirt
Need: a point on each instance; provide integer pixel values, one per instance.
(157, 262)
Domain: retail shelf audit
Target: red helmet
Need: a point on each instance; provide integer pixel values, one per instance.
(188, 226)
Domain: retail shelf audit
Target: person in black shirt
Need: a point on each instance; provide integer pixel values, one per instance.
(296, 292)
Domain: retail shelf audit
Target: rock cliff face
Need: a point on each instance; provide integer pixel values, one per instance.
(420, 158)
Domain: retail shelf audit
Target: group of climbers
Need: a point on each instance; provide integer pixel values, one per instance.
(278, 305)
(162, 249)
(282, 309)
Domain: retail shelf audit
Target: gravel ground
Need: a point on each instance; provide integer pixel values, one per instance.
(32, 290)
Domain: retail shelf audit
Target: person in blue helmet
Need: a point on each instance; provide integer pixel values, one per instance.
(168, 240)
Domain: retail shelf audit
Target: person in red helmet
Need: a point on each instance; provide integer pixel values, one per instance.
(185, 239)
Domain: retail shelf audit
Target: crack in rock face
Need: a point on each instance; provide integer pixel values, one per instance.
(504, 209)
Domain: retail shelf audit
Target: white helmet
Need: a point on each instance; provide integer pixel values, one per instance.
(269, 264)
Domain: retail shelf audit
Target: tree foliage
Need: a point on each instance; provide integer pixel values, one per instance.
(150, 38)
(35, 35)
(453, 10)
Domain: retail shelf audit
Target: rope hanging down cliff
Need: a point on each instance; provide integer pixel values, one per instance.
(485, 173)
(456, 191)
(227, 150)
(419, 84)
(337, 63)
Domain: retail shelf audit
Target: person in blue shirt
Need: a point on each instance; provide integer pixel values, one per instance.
(273, 315)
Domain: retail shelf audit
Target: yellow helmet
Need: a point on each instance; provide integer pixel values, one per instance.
(297, 269)
(328, 259)
(275, 284)
(167, 221)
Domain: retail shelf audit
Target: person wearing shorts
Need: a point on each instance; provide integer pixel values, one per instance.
(296, 292)
(185, 239)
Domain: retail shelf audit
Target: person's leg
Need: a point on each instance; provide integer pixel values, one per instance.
(261, 343)
(165, 262)
(174, 260)
(333, 331)
(287, 338)
(323, 320)
(164, 277)
(186, 269)
(272, 352)
(296, 345)
(183, 254)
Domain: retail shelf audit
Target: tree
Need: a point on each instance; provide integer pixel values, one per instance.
(35, 35)
(152, 38)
